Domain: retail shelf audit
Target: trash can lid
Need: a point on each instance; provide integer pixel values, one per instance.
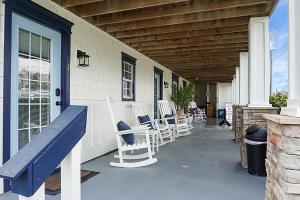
(257, 133)
(252, 129)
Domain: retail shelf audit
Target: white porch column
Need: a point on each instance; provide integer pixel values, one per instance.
(293, 107)
(259, 69)
(233, 90)
(244, 74)
(237, 86)
(71, 175)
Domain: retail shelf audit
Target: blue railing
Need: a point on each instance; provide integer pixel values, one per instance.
(34, 163)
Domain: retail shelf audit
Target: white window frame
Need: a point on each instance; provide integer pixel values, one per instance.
(128, 78)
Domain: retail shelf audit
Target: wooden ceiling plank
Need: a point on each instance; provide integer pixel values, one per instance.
(207, 38)
(179, 27)
(170, 10)
(186, 18)
(185, 34)
(109, 6)
(70, 3)
(197, 48)
(191, 44)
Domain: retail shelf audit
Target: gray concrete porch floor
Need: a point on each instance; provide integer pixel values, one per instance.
(202, 166)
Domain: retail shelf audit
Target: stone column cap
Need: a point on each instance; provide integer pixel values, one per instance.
(281, 119)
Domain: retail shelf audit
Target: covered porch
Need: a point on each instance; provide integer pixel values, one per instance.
(204, 165)
(85, 52)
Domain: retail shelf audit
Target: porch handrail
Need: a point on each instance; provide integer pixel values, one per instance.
(33, 164)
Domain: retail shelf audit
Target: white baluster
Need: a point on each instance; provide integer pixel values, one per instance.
(70, 175)
(38, 195)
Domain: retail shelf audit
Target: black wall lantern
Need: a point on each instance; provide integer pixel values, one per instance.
(83, 59)
(166, 84)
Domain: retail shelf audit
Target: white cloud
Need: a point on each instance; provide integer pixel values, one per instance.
(280, 72)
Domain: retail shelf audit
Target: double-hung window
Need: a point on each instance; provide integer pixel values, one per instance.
(128, 77)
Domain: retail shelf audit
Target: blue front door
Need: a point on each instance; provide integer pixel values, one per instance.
(35, 79)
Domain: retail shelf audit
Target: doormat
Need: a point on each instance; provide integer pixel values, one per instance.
(53, 183)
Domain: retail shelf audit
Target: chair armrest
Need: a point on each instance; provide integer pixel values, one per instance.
(135, 130)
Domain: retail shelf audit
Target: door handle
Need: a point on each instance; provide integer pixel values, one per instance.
(58, 103)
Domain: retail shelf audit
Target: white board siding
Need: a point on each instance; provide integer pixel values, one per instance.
(91, 85)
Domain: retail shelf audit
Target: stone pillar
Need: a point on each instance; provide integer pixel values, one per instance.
(283, 158)
(237, 85)
(293, 107)
(244, 73)
(259, 60)
(252, 116)
(238, 117)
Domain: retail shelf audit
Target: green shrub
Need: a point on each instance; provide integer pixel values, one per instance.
(279, 99)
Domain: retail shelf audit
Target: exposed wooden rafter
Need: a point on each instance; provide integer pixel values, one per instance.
(194, 38)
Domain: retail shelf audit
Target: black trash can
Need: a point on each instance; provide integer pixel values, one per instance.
(256, 142)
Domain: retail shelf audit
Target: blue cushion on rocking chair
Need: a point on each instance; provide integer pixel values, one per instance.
(171, 120)
(128, 138)
(145, 120)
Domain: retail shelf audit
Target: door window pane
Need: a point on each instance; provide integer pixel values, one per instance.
(24, 41)
(45, 115)
(23, 67)
(23, 116)
(35, 45)
(23, 138)
(45, 48)
(34, 69)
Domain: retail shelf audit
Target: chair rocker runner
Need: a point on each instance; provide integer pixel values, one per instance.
(162, 130)
(179, 126)
(141, 141)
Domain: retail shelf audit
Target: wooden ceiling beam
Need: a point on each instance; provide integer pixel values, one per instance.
(184, 34)
(196, 48)
(191, 44)
(170, 10)
(228, 36)
(70, 3)
(234, 51)
(180, 27)
(199, 56)
(113, 6)
(186, 18)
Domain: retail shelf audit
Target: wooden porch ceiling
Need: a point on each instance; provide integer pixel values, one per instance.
(195, 38)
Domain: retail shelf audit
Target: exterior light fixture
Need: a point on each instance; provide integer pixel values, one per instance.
(83, 59)
(196, 78)
(166, 84)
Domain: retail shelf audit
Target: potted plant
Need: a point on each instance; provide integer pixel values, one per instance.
(182, 99)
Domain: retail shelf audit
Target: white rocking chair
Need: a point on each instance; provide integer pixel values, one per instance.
(199, 114)
(142, 141)
(161, 129)
(180, 127)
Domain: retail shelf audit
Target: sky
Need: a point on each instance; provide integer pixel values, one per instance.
(279, 37)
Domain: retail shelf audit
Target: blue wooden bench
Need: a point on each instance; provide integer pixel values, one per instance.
(34, 163)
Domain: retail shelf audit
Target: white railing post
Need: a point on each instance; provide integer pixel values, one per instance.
(71, 175)
(38, 195)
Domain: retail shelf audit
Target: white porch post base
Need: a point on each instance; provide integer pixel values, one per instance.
(39, 194)
(293, 108)
(70, 175)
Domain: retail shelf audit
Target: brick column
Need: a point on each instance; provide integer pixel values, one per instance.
(252, 116)
(283, 158)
